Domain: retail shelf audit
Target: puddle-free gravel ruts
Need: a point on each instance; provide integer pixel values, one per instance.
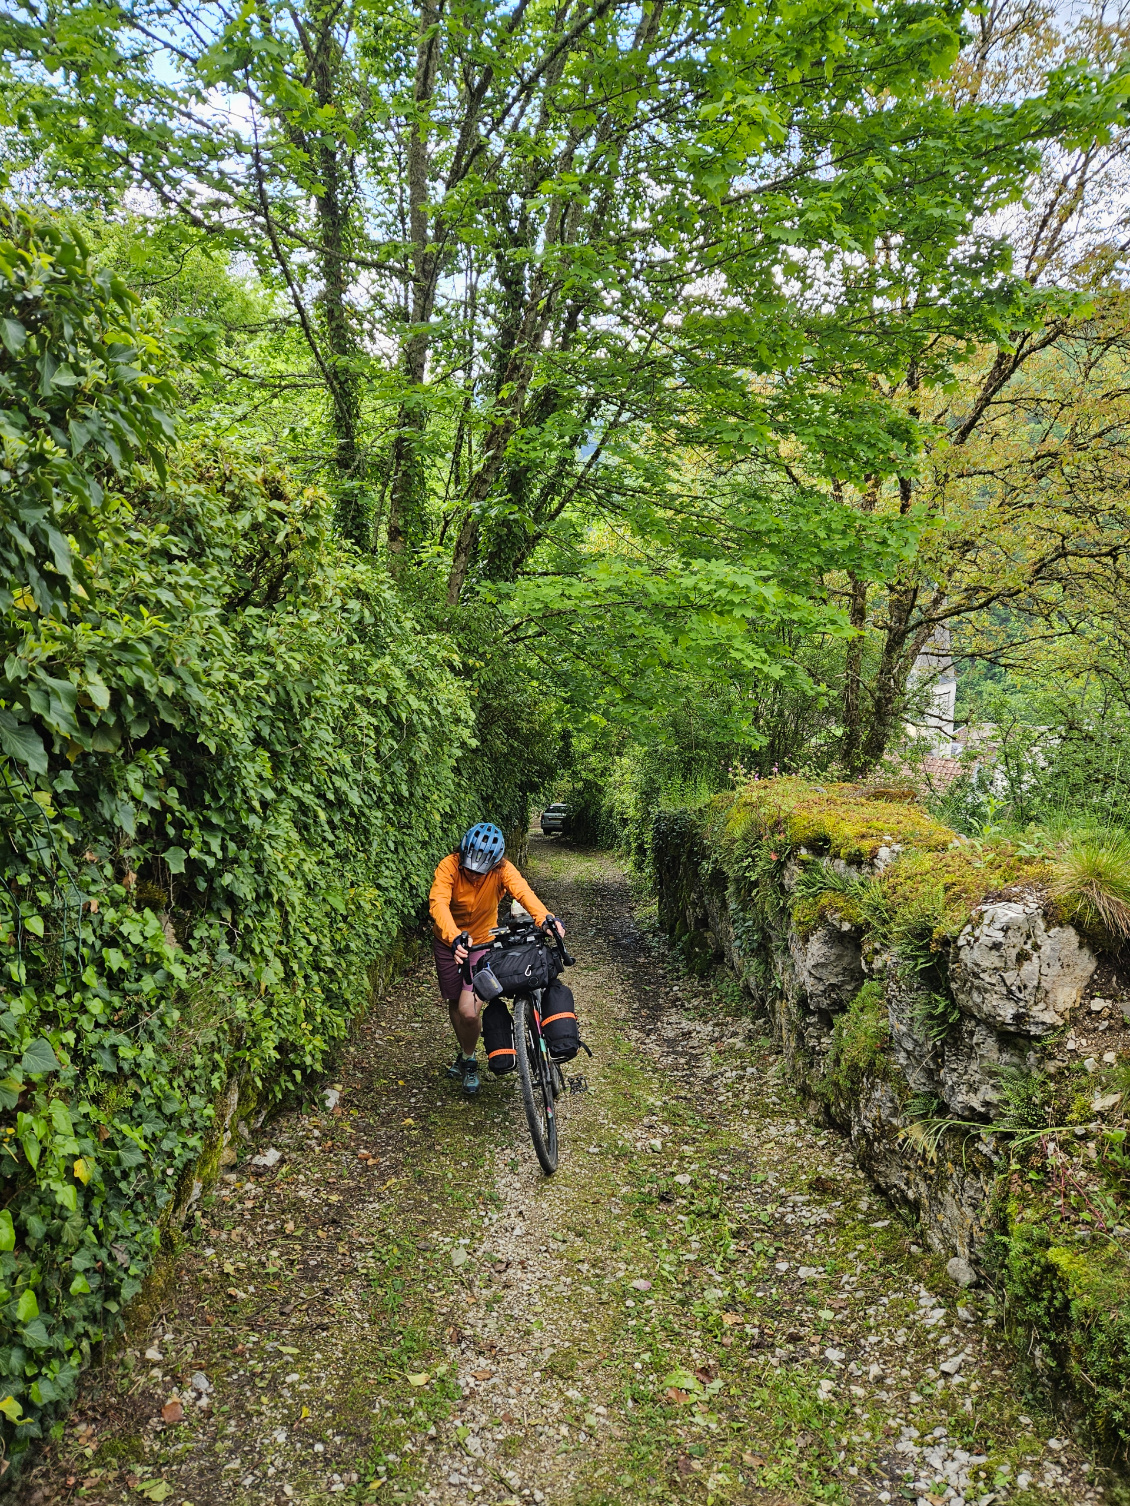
(387, 1301)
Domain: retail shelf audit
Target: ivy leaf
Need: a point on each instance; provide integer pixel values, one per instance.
(23, 743)
(175, 858)
(39, 1057)
(36, 1335)
(27, 1307)
(7, 1231)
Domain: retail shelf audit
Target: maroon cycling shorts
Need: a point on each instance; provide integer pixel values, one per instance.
(450, 972)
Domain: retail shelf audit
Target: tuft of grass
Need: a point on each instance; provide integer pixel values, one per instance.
(1091, 882)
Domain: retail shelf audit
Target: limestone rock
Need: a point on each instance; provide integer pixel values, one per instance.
(829, 966)
(915, 1052)
(1013, 971)
(962, 1272)
(970, 1075)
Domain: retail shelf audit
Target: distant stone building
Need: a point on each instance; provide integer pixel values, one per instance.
(935, 665)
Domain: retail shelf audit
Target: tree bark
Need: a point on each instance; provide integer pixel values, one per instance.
(406, 484)
(333, 210)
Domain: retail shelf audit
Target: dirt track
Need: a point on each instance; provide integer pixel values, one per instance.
(704, 1304)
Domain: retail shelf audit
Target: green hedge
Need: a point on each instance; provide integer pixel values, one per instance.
(229, 766)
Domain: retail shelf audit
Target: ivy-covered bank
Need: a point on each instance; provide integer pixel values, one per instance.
(229, 763)
(959, 1009)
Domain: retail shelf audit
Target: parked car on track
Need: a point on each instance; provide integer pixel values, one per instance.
(555, 821)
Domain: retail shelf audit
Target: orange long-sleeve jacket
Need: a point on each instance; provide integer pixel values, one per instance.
(461, 901)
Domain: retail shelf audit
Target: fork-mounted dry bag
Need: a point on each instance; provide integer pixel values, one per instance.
(498, 1037)
(559, 1021)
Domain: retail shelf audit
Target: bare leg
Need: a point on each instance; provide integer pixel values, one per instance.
(464, 1013)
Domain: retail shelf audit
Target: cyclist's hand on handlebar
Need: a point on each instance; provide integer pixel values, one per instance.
(552, 923)
(461, 946)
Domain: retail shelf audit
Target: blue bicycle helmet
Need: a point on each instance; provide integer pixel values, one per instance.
(482, 848)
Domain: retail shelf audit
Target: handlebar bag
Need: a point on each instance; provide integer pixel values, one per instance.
(498, 1037)
(519, 969)
(559, 1022)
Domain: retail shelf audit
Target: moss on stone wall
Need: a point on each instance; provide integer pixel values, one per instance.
(938, 891)
(860, 1047)
(845, 821)
(765, 869)
(1068, 1304)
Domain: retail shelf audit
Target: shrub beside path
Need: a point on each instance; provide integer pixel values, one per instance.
(386, 1301)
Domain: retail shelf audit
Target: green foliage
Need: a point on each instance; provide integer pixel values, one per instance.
(234, 767)
(1026, 1101)
(1075, 1297)
(824, 893)
(860, 1038)
(926, 898)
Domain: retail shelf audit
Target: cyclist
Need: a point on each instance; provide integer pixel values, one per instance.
(463, 901)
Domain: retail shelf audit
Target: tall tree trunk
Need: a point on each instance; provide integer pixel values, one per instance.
(406, 485)
(333, 210)
(894, 671)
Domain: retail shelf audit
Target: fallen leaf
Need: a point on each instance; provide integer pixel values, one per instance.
(459, 1255)
(305, 1412)
(288, 1228)
(641, 1284)
(704, 1374)
(421, 1379)
(172, 1411)
(154, 1490)
(673, 1393)
(684, 1465)
(754, 1460)
(731, 1319)
(408, 1121)
(482, 1374)
(286, 1349)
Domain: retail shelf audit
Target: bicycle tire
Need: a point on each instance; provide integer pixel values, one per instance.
(536, 1079)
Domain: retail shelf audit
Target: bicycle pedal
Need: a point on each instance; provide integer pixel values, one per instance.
(578, 1084)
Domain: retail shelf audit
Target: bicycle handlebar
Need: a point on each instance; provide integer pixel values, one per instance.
(567, 959)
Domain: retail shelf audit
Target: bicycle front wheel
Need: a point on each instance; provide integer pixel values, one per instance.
(535, 1073)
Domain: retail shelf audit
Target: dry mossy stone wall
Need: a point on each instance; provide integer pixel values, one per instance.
(936, 1003)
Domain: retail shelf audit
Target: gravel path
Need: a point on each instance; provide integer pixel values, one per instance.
(387, 1301)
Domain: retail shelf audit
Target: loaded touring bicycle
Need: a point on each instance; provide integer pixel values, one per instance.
(524, 963)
